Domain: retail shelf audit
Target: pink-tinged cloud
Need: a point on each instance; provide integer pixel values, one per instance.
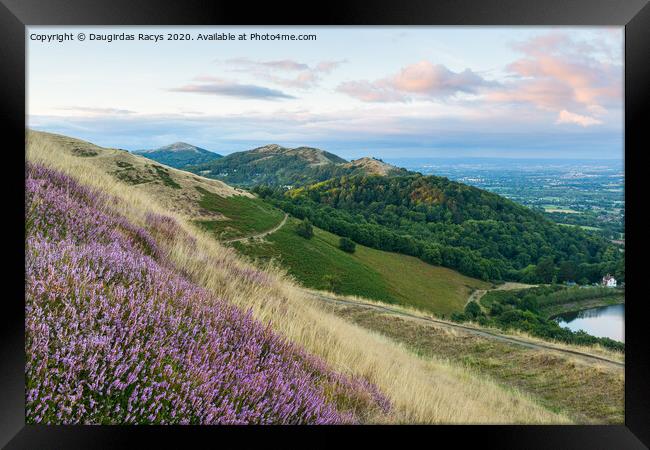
(547, 94)
(560, 75)
(284, 64)
(569, 117)
(420, 80)
(435, 79)
(328, 66)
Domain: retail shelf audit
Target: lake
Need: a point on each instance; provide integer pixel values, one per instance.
(604, 321)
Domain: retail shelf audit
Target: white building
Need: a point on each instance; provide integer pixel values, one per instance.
(609, 281)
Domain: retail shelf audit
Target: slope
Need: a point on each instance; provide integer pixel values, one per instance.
(420, 390)
(270, 164)
(389, 277)
(116, 336)
(177, 190)
(179, 155)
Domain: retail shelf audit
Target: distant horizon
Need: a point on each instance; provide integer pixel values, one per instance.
(521, 92)
(389, 159)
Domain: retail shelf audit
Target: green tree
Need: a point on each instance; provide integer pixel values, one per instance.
(566, 272)
(473, 310)
(305, 229)
(545, 270)
(332, 282)
(347, 245)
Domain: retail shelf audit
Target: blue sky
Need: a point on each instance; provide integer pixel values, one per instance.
(390, 92)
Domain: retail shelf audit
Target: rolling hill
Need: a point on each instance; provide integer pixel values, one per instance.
(175, 189)
(179, 155)
(274, 165)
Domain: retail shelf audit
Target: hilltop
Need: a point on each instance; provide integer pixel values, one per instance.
(179, 155)
(274, 165)
(311, 156)
(271, 164)
(372, 166)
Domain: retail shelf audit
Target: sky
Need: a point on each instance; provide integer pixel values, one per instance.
(388, 92)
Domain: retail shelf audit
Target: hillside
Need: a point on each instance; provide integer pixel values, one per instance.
(273, 165)
(166, 265)
(388, 277)
(149, 346)
(177, 190)
(270, 164)
(179, 155)
(442, 222)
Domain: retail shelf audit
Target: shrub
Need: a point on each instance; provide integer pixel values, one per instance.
(305, 229)
(473, 310)
(347, 245)
(333, 282)
(458, 317)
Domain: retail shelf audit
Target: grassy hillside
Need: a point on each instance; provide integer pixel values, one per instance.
(420, 389)
(310, 260)
(176, 190)
(242, 216)
(367, 272)
(271, 164)
(274, 165)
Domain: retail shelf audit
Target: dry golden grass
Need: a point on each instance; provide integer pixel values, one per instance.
(596, 350)
(589, 391)
(422, 389)
(183, 200)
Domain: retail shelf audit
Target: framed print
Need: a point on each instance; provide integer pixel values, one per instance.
(246, 224)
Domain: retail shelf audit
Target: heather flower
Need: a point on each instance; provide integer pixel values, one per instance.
(114, 335)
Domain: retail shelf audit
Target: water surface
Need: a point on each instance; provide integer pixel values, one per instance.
(604, 321)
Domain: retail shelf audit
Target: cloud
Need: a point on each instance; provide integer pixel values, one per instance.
(344, 132)
(569, 117)
(367, 91)
(302, 76)
(420, 80)
(559, 74)
(328, 66)
(284, 64)
(436, 80)
(91, 110)
(217, 86)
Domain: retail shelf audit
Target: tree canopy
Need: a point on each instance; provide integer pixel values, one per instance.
(443, 222)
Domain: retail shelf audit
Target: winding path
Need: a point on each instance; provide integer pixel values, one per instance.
(484, 333)
(263, 234)
(476, 296)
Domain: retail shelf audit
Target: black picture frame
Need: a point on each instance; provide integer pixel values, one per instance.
(16, 14)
